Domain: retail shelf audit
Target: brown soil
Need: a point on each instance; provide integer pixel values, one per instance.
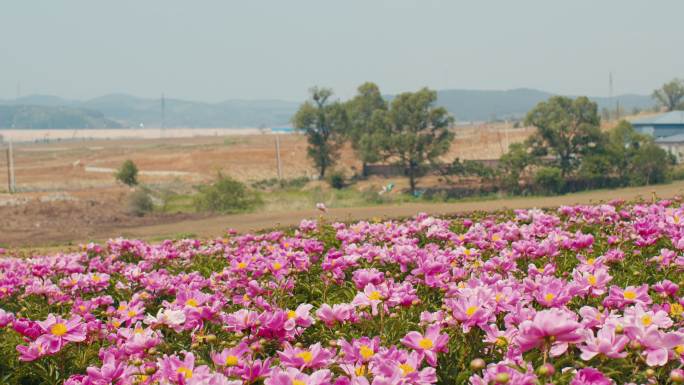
(114, 225)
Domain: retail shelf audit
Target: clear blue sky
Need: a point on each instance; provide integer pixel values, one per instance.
(213, 50)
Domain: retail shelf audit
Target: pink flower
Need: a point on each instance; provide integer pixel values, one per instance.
(472, 308)
(292, 376)
(313, 357)
(321, 207)
(553, 326)
(594, 282)
(6, 318)
(371, 296)
(591, 376)
(429, 344)
(336, 313)
(59, 331)
(109, 373)
(606, 343)
(232, 357)
(618, 297)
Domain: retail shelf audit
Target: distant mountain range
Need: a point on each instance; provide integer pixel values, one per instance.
(121, 110)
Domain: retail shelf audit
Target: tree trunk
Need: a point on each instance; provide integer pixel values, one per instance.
(412, 178)
(321, 175)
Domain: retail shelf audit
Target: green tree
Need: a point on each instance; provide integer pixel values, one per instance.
(363, 133)
(628, 156)
(670, 95)
(127, 173)
(324, 123)
(549, 180)
(512, 165)
(566, 129)
(225, 195)
(414, 131)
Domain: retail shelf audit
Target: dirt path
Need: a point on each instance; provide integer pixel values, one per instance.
(215, 226)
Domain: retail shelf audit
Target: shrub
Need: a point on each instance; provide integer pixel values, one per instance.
(336, 180)
(549, 180)
(128, 173)
(225, 195)
(139, 202)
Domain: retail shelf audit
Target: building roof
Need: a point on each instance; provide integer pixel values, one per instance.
(672, 117)
(679, 138)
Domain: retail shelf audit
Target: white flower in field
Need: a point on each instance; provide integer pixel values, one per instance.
(321, 206)
(170, 318)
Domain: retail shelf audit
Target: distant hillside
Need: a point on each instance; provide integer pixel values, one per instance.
(32, 116)
(130, 111)
(479, 105)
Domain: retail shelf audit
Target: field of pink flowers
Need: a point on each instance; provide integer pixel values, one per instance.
(578, 295)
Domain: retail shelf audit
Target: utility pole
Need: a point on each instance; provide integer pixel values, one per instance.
(163, 114)
(11, 184)
(280, 167)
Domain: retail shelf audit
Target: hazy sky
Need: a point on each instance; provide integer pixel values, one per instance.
(251, 49)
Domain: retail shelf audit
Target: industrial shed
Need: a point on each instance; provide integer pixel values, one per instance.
(661, 126)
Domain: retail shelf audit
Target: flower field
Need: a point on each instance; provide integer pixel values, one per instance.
(577, 295)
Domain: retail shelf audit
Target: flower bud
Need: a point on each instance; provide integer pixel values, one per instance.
(477, 364)
(635, 345)
(546, 370)
(650, 373)
(502, 378)
(677, 376)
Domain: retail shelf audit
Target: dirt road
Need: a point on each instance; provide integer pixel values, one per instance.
(215, 226)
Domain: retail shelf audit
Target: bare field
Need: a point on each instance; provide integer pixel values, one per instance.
(67, 191)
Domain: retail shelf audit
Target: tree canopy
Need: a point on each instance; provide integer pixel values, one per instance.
(324, 123)
(670, 95)
(365, 136)
(414, 131)
(566, 129)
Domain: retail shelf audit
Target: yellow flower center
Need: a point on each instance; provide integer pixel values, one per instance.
(298, 382)
(242, 265)
(96, 278)
(406, 369)
(591, 261)
(81, 308)
(676, 219)
(138, 331)
(592, 279)
(471, 310)
(231, 360)
(291, 314)
(187, 373)
(366, 352)
(306, 356)
(496, 237)
(277, 266)
(467, 252)
(59, 329)
(116, 323)
(679, 349)
(360, 371)
(191, 302)
(646, 320)
(426, 343)
(676, 309)
(132, 313)
(375, 296)
(122, 307)
(501, 341)
(549, 297)
(498, 297)
(629, 294)
(245, 297)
